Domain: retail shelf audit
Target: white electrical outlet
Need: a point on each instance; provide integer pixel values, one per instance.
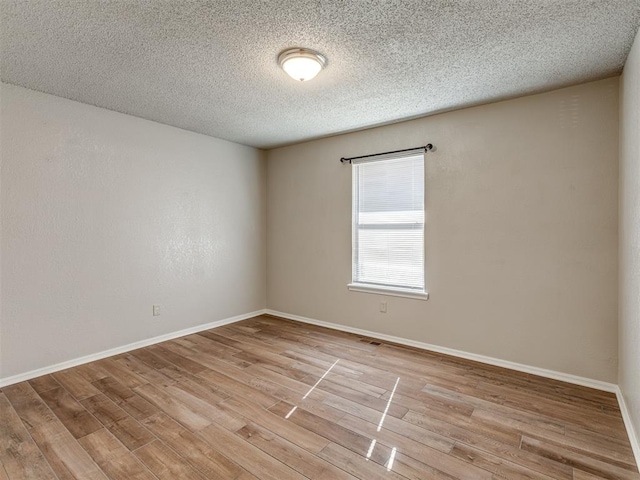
(383, 307)
(156, 310)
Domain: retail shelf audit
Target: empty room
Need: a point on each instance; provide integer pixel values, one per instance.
(328, 239)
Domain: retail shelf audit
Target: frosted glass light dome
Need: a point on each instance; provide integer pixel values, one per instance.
(301, 64)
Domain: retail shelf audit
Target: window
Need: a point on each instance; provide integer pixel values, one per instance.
(388, 226)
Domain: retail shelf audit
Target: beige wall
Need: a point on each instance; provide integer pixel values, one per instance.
(629, 369)
(521, 236)
(104, 215)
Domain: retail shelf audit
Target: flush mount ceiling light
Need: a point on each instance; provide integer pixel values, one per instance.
(301, 64)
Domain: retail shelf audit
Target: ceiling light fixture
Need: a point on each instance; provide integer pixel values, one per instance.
(302, 64)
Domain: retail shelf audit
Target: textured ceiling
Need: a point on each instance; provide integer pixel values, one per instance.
(211, 66)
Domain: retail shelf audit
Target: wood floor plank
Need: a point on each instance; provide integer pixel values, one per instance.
(113, 389)
(246, 476)
(165, 351)
(355, 464)
(440, 407)
(244, 338)
(199, 344)
(588, 398)
(28, 405)
(369, 361)
(398, 431)
(346, 382)
(500, 467)
(312, 404)
(580, 475)
(151, 375)
(467, 433)
(596, 420)
(493, 446)
(597, 440)
(125, 398)
(349, 390)
(263, 390)
(165, 463)
(130, 433)
(520, 415)
(90, 371)
(230, 384)
(206, 409)
(279, 363)
(121, 373)
(19, 454)
(179, 346)
(202, 456)
(413, 469)
(290, 454)
(113, 457)
(75, 384)
(335, 396)
(248, 456)
(302, 437)
(70, 412)
(515, 422)
(603, 451)
(268, 398)
(298, 352)
(173, 407)
(206, 342)
(104, 409)
(63, 452)
(224, 341)
(149, 357)
(448, 466)
(44, 383)
(577, 460)
(353, 440)
(416, 445)
(196, 385)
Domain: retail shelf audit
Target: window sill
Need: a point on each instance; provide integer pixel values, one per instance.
(393, 292)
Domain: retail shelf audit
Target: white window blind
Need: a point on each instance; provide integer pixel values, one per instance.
(388, 223)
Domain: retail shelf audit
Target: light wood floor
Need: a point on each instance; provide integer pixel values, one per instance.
(274, 399)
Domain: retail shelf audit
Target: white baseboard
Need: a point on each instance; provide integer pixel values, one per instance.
(125, 348)
(634, 439)
(542, 372)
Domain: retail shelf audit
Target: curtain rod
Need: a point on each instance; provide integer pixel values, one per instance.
(426, 148)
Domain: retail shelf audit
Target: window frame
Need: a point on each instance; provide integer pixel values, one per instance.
(372, 288)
